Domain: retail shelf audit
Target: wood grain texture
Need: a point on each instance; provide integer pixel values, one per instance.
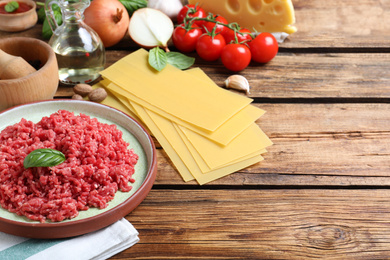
(262, 224)
(334, 144)
(302, 76)
(313, 75)
(341, 24)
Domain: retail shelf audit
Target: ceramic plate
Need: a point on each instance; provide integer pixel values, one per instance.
(93, 218)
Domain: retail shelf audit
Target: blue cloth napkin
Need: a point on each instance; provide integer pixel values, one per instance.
(97, 245)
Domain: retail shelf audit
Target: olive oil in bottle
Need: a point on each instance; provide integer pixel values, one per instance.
(80, 52)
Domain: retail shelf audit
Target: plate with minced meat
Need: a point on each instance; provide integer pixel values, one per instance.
(108, 168)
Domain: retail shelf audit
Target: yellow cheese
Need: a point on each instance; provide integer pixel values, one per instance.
(175, 92)
(261, 15)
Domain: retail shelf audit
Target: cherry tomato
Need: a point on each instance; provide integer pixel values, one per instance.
(192, 12)
(229, 35)
(264, 47)
(185, 40)
(235, 56)
(209, 26)
(210, 47)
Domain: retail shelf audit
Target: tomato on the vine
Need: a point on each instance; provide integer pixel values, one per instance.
(243, 35)
(235, 56)
(209, 26)
(264, 47)
(192, 11)
(185, 39)
(209, 47)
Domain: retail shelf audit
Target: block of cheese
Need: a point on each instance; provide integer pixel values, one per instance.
(175, 92)
(260, 15)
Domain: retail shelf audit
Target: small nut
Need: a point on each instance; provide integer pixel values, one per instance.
(82, 89)
(77, 97)
(237, 82)
(97, 95)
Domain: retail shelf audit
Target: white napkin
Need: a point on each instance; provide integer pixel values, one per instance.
(97, 245)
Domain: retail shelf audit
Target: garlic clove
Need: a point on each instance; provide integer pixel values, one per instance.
(237, 82)
(170, 7)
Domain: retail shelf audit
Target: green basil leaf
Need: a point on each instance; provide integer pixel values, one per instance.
(133, 5)
(179, 60)
(158, 58)
(41, 15)
(43, 158)
(46, 30)
(11, 7)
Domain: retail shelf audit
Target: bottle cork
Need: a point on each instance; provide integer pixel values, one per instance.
(13, 67)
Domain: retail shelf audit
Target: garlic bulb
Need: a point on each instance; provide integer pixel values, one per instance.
(237, 82)
(169, 7)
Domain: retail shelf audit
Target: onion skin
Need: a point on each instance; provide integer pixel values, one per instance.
(109, 19)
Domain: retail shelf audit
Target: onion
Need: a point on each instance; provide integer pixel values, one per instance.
(109, 19)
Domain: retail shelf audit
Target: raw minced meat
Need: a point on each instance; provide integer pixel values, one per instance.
(98, 164)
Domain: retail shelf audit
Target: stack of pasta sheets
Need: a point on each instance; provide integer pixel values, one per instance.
(207, 131)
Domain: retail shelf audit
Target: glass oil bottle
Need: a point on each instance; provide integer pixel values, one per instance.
(80, 52)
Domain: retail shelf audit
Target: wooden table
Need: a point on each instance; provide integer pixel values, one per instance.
(323, 189)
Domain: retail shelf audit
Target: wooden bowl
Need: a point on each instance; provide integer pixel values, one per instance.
(39, 85)
(19, 21)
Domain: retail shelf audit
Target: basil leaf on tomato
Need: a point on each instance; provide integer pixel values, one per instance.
(44, 157)
(11, 7)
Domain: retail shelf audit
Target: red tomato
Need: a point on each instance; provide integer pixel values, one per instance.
(210, 47)
(191, 12)
(209, 26)
(236, 57)
(229, 36)
(264, 47)
(185, 40)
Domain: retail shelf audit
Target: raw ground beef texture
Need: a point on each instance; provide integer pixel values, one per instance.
(98, 164)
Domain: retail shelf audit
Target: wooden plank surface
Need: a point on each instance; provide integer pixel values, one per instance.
(314, 75)
(328, 140)
(262, 224)
(341, 24)
(304, 76)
